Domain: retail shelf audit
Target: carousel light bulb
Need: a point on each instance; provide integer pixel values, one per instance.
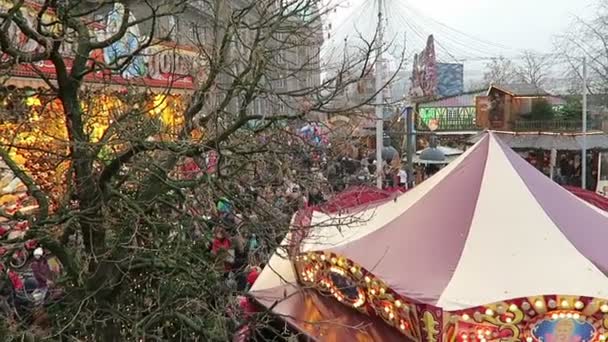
(391, 315)
(367, 279)
(579, 305)
(529, 339)
(509, 320)
(353, 269)
(334, 260)
(465, 317)
(313, 257)
(305, 258)
(602, 337)
(323, 257)
(604, 308)
(576, 316)
(387, 309)
(512, 307)
(555, 316)
(565, 304)
(398, 303)
(539, 304)
(489, 312)
(402, 326)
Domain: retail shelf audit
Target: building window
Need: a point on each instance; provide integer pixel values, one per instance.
(281, 37)
(281, 83)
(282, 108)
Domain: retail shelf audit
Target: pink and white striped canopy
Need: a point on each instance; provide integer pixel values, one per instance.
(487, 228)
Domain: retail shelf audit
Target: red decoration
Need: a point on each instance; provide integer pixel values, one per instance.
(31, 244)
(23, 225)
(16, 280)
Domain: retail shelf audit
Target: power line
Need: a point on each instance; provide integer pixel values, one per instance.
(407, 5)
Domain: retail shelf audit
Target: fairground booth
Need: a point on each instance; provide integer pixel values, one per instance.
(488, 249)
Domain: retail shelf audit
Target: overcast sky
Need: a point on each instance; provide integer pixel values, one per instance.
(472, 28)
(521, 24)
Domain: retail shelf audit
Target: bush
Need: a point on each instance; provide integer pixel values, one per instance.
(542, 110)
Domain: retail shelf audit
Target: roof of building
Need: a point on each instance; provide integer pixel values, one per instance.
(556, 100)
(468, 100)
(520, 89)
(462, 100)
(547, 141)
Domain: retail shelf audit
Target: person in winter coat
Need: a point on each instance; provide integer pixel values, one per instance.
(221, 247)
(40, 268)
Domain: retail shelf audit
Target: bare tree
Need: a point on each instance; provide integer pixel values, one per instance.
(534, 68)
(500, 71)
(587, 38)
(113, 202)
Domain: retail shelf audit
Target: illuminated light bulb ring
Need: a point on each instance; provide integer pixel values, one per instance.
(344, 288)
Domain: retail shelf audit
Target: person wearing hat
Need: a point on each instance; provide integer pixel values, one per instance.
(40, 268)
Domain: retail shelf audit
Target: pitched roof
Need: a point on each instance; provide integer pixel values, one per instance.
(520, 89)
(462, 100)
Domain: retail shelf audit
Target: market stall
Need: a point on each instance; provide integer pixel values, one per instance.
(515, 258)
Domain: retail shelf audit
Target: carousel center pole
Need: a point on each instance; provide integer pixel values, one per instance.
(379, 100)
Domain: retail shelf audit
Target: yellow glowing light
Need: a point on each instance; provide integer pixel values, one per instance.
(33, 101)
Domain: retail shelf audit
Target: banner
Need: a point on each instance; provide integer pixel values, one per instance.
(163, 64)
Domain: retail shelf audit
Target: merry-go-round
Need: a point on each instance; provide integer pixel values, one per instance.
(489, 249)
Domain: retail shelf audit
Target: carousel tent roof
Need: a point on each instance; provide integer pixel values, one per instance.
(486, 228)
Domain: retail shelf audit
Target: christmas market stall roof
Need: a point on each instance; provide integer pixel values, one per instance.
(548, 141)
(487, 244)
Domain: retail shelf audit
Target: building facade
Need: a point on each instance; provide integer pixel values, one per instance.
(501, 107)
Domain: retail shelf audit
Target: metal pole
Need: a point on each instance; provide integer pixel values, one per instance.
(584, 147)
(379, 101)
(411, 145)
